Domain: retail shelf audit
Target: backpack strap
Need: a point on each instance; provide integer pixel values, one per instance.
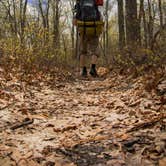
(95, 28)
(97, 13)
(84, 29)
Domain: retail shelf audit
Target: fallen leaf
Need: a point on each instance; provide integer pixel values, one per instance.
(162, 162)
(73, 127)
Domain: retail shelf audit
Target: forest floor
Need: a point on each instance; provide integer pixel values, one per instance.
(115, 121)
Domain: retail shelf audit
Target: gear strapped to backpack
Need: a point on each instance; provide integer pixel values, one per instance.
(88, 17)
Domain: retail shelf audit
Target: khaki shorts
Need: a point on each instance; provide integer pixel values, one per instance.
(89, 45)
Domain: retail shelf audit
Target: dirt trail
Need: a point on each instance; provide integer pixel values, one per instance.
(83, 123)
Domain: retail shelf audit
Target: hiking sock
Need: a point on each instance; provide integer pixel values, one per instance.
(93, 71)
(93, 66)
(84, 72)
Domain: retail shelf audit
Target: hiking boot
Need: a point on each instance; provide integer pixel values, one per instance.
(84, 72)
(93, 72)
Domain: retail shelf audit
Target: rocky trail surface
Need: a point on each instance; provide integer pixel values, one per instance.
(109, 122)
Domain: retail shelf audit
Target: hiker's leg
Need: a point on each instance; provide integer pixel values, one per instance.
(83, 65)
(83, 51)
(93, 71)
(94, 59)
(82, 60)
(94, 53)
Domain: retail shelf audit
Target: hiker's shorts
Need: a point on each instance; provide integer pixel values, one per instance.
(89, 45)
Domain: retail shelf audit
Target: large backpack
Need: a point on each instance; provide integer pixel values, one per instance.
(87, 10)
(88, 18)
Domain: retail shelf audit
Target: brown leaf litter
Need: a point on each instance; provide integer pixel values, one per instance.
(111, 122)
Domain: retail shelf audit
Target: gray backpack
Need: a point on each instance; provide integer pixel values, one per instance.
(87, 10)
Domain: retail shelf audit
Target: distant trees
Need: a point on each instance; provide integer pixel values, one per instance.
(138, 21)
(44, 13)
(15, 14)
(46, 25)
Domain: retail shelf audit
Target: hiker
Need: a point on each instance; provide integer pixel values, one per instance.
(89, 23)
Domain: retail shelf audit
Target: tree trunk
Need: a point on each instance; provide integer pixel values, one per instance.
(164, 11)
(121, 24)
(56, 15)
(142, 17)
(14, 18)
(132, 23)
(107, 28)
(42, 15)
(161, 13)
(145, 26)
(150, 24)
(45, 19)
(72, 28)
(22, 17)
(141, 8)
